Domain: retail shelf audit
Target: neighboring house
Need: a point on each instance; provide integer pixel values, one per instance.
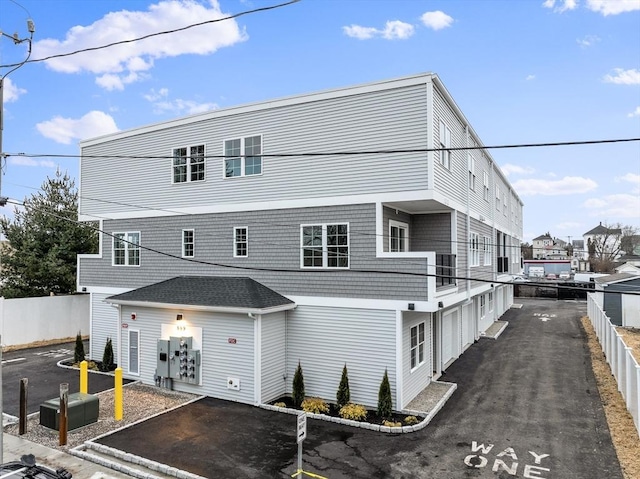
(607, 239)
(628, 264)
(546, 247)
(623, 309)
(221, 234)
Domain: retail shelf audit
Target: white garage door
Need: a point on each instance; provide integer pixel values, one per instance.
(450, 343)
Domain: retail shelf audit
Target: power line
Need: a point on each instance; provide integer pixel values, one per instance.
(132, 40)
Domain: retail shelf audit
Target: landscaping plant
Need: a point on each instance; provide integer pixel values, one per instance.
(315, 405)
(343, 395)
(297, 394)
(78, 354)
(352, 411)
(384, 397)
(107, 357)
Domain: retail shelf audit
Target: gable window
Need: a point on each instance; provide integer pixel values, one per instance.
(242, 156)
(472, 173)
(487, 250)
(398, 236)
(474, 249)
(417, 345)
(126, 249)
(188, 243)
(134, 351)
(445, 142)
(188, 164)
(240, 242)
(324, 246)
(485, 184)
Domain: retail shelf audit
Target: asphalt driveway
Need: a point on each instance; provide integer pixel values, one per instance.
(526, 406)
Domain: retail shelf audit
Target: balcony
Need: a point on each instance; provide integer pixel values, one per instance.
(503, 264)
(445, 270)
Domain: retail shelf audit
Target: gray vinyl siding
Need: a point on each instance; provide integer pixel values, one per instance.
(219, 358)
(104, 324)
(273, 365)
(324, 339)
(427, 232)
(395, 215)
(476, 199)
(274, 242)
(415, 381)
(462, 250)
(390, 119)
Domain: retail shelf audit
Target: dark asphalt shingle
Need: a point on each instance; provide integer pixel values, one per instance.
(211, 291)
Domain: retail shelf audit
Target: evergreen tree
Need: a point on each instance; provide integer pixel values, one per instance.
(107, 357)
(343, 396)
(384, 397)
(297, 395)
(43, 241)
(78, 354)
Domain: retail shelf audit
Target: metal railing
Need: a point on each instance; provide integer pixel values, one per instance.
(623, 365)
(503, 264)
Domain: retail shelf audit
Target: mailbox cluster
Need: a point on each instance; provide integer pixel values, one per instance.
(178, 360)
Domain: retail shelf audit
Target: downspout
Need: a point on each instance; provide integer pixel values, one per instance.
(468, 225)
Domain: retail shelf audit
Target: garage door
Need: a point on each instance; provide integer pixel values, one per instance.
(450, 344)
(468, 335)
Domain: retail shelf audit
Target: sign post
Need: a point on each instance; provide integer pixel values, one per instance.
(301, 435)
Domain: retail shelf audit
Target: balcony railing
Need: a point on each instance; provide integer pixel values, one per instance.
(503, 264)
(445, 269)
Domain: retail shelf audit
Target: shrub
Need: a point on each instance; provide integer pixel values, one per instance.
(391, 423)
(297, 394)
(107, 357)
(410, 420)
(356, 412)
(315, 405)
(280, 404)
(384, 397)
(78, 354)
(343, 395)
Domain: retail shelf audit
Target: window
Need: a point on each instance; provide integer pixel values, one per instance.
(240, 242)
(188, 243)
(504, 203)
(134, 351)
(417, 345)
(398, 236)
(474, 249)
(445, 142)
(325, 246)
(485, 183)
(490, 301)
(188, 164)
(242, 156)
(472, 173)
(483, 307)
(486, 246)
(497, 198)
(126, 249)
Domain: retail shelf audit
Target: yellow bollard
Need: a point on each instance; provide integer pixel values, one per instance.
(118, 395)
(84, 377)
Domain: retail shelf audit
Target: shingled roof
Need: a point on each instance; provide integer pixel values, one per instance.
(603, 230)
(207, 293)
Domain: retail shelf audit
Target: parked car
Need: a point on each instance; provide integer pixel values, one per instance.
(520, 279)
(26, 468)
(552, 276)
(564, 275)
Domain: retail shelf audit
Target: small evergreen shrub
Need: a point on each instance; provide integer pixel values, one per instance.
(385, 403)
(297, 394)
(315, 405)
(352, 411)
(410, 420)
(107, 357)
(343, 396)
(391, 423)
(78, 354)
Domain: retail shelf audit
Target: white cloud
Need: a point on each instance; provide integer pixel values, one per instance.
(65, 130)
(26, 161)
(530, 77)
(436, 20)
(635, 112)
(613, 7)
(623, 77)
(120, 65)
(154, 95)
(11, 91)
(588, 40)
(562, 5)
(393, 30)
(162, 103)
(620, 205)
(632, 178)
(569, 185)
(518, 170)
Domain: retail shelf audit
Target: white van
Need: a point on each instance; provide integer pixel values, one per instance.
(536, 271)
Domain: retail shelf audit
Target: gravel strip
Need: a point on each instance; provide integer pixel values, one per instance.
(139, 402)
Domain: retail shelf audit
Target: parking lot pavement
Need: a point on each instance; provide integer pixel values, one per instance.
(526, 406)
(39, 366)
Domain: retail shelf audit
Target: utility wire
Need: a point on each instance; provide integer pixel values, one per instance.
(132, 40)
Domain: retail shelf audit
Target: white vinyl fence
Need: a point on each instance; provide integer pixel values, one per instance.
(623, 365)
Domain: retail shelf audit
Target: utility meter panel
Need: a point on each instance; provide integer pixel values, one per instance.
(184, 363)
(162, 358)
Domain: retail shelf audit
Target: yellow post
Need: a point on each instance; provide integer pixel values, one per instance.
(84, 377)
(118, 395)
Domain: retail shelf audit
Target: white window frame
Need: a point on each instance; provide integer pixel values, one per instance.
(504, 204)
(242, 157)
(474, 249)
(189, 163)
(400, 226)
(417, 356)
(483, 306)
(130, 351)
(472, 172)
(129, 246)
(445, 143)
(485, 183)
(185, 243)
(497, 198)
(324, 246)
(237, 243)
(490, 294)
(486, 246)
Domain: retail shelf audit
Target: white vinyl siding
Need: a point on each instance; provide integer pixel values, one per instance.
(126, 249)
(188, 243)
(273, 364)
(398, 236)
(104, 324)
(445, 142)
(414, 381)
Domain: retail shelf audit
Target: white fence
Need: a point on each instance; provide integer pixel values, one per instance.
(27, 320)
(623, 365)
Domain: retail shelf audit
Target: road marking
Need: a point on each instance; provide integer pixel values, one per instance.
(477, 460)
(7, 361)
(56, 353)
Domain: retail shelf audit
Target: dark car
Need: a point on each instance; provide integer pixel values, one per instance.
(26, 468)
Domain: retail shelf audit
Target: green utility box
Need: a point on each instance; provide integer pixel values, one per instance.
(82, 409)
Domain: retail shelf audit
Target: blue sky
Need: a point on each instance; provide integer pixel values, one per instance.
(524, 71)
